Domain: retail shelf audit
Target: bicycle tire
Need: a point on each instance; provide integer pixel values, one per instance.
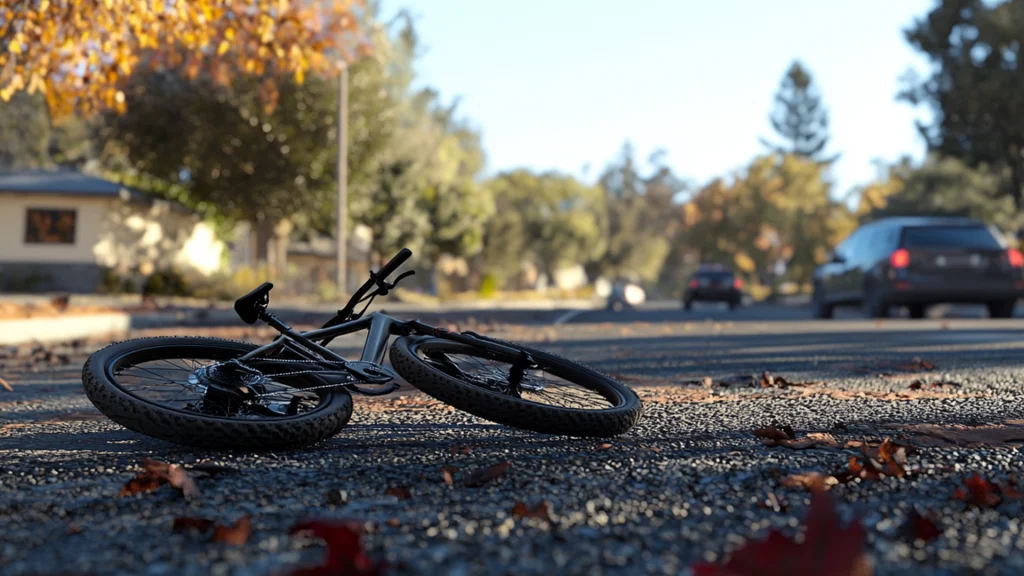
(199, 430)
(518, 412)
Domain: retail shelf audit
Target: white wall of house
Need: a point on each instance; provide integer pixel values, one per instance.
(112, 232)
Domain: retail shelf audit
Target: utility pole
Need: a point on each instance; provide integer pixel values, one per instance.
(341, 208)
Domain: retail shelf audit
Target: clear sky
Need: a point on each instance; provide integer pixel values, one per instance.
(560, 84)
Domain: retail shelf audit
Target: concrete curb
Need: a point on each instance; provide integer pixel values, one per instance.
(63, 328)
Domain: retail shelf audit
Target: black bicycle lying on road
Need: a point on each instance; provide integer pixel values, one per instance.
(293, 392)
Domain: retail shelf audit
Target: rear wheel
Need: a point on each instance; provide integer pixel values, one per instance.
(556, 396)
(169, 388)
(1002, 309)
(820, 308)
(873, 305)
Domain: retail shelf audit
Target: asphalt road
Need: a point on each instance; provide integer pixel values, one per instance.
(691, 483)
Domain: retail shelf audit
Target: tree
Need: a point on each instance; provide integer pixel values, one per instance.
(976, 88)
(76, 51)
(551, 219)
(799, 118)
(642, 217)
(24, 133)
(221, 152)
(777, 210)
(943, 187)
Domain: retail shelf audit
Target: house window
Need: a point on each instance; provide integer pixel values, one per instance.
(48, 226)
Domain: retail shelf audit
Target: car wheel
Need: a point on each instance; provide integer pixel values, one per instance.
(819, 308)
(917, 311)
(873, 305)
(1002, 309)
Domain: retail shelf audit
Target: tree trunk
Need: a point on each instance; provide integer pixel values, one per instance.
(263, 231)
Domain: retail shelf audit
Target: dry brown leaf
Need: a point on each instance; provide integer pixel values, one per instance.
(72, 529)
(810, 481)
(449, 477)
(482, 476)
(400, 492)
(6, 385)
(142, 482)
(812, 440)
(540, 510)
(775, 433)
(959, 435)
(236, 534)
(604, 446)
(394, 522)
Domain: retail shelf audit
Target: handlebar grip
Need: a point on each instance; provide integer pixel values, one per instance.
(386, 270)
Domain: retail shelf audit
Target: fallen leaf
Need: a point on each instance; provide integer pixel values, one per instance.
(604, 446)
(916, 385)
(155, 474)
(978, 492)
(400, 492)
(142, 482)
(540, 510)
(920, 527)
(448, 474)
(775, 433)
(482, 476)
(394, 522)
(185, 524)
(6, 385)
(828, 548)
(812, 440)
(810, 481)
(72, 529)
(236, 534)
(959, 435)
(345, 554)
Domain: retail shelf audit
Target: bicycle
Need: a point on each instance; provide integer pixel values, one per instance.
(296, 392)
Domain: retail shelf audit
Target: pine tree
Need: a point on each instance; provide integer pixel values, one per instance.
(799, 118)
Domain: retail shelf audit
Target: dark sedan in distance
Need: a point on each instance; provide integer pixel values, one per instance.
(713, 283)
(920, 261)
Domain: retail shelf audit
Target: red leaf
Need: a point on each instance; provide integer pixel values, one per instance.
(979, 492)
(828, 549)
(604, 446)
(920, 527)
(400, 492)
(185, 524)
(482, 476)
(236, 535)
(156, 474)
(345, 554)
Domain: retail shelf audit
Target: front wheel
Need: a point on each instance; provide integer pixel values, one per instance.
(555, 396)
(1003, 309)
(170, 388)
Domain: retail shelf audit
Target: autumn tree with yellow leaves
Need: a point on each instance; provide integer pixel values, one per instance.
(779, 209)
(77, 52)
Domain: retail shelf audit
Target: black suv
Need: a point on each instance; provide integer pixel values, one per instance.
(713, 283)
(918, 261)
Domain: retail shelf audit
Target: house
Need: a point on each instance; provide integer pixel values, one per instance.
(59, 231)
(310, 262)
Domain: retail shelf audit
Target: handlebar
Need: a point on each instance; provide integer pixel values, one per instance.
(400, 258)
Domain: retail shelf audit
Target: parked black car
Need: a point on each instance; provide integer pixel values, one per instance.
(713, 283)
(919, 261)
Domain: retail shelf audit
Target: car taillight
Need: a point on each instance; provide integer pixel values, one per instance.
(737, 284)
(1015, 257)
(694, 283)
(900, 258)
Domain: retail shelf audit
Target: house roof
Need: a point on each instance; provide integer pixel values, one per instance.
(58, 182)
(74, 183)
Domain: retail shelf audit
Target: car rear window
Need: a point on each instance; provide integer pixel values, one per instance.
(971, 237)
(717, 276)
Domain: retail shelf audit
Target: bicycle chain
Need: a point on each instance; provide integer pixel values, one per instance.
(303, 372)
